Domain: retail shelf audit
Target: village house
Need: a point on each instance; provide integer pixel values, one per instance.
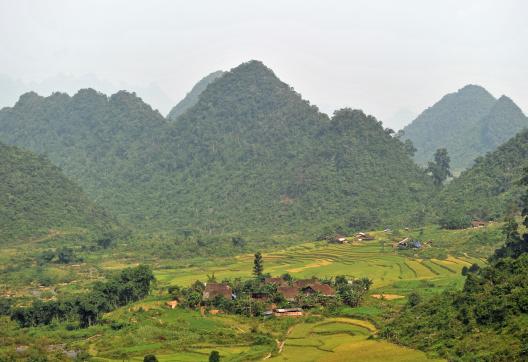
(478, 224)
(324, 289)
(288, 312)
(364, 236)
(213, 290)
(172, 304)
(260, 296)
(341, 239)
(289, 293)
(409, 244)
(299, 284)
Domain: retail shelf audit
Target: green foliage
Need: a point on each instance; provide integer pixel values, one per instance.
(439, 169)
(150, 358)
(35, 197)
(192, 97)
(491, 188)
(130, 285)
(469, 123)
(484, 321)
(258, 265)
(251, 156)
(214, 356)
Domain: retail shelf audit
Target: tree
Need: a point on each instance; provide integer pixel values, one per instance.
(214, 356)
(439, 169)
(258, 265)
(238, 241)
(65, 255)
(150, 358)
(414, 299)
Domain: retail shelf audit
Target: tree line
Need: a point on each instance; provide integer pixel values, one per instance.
(130, 285)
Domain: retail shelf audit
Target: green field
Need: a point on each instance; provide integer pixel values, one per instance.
(183, 335)
(341, 339)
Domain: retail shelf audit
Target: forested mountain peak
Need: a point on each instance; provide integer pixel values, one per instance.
(468, 123)
(191, 98)
(250, 155)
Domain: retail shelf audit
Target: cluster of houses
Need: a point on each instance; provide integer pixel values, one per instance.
(342, 239)
(408, 243)
(291, 292)
(478, 224)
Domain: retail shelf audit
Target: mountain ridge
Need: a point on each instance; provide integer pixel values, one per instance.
(250, 155)
(469, 123)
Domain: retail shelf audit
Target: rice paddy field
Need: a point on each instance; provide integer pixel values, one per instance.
(184, 335)
(388, 268)
(341, 339)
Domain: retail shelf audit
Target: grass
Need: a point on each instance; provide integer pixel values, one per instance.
(338, 339)
(184, 335)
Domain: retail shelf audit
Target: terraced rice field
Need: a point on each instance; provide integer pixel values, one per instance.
(341, 339)
(385, 266)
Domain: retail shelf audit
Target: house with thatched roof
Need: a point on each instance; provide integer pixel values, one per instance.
(299, 284)
(323, 289)
(288, 312)
(289, 293)
(212, 290)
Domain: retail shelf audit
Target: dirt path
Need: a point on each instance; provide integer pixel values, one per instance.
(280, 344)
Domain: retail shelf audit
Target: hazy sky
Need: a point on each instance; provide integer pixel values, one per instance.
(385, 57)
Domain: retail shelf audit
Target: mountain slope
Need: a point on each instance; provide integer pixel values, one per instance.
(468, 123)
(191, 98)
(490, 188)
(35, 197)
(486, 320)
(250, 155)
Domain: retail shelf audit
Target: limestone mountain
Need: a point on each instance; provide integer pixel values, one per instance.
(469, 123)
(251, 155)
(490, 188)
(35, 197)
(191, 98)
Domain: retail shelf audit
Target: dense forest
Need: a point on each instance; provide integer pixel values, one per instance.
(490, 189)
(35, 197)
(468, 123)
(191, 98)
(487, 320)
(250, 155)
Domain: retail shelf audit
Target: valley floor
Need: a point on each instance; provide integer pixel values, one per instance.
(185, 335)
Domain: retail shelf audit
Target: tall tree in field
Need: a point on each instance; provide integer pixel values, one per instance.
(258, 265)
(439, 169)
(214, 356)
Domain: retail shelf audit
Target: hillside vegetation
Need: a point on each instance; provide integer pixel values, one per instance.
(191, 98)
(487, 319)
(468, 123)
(490, 189)
(35, 197)
(250, 155)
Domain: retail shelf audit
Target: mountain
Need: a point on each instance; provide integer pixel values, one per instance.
(490, 188)
(35, 197)
(251, 155)
(191, 98)
(469, 123)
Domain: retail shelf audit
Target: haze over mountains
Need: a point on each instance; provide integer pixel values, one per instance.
(469, 123)
(251, 154)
